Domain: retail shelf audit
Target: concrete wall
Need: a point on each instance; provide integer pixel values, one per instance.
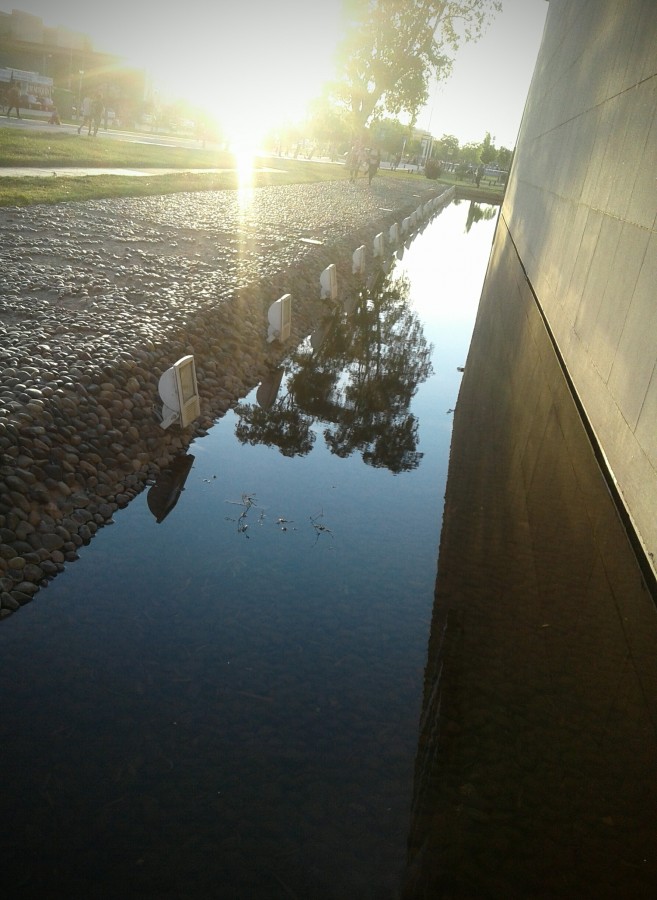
(581, 209)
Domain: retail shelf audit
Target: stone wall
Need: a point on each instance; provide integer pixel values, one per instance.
(581, 210)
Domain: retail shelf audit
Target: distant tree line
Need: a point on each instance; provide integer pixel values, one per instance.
(327, 133)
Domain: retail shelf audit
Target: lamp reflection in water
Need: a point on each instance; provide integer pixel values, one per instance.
(269, 388)
(170, 483)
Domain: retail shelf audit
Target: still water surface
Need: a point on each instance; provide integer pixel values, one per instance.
(226, 703)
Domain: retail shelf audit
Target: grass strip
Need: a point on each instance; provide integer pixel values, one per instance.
(53, 149)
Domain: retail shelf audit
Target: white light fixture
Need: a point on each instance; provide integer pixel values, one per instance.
(328, 282)
(358, 260)
(178, 390)
(280, 319)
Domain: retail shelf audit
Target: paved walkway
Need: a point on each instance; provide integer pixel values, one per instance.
(78, 171)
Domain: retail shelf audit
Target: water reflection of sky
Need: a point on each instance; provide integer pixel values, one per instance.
(217, 708)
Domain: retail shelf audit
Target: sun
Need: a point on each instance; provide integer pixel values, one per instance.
(244, 131)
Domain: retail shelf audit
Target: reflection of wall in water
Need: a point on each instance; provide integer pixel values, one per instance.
(535, 772)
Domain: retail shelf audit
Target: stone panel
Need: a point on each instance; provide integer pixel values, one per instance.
(642, 208)
(617, 296)
(634, 361)
(581, 209)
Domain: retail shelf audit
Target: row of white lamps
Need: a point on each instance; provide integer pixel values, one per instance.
(280, 312)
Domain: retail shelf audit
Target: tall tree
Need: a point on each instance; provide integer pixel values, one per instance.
(358, 379)
(447, 148)
(504, 157)
(488, 151)
(392, 48)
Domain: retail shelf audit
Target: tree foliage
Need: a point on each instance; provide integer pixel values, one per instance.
(447, 150)
(504, 157)
(488, 152)
(390, 135)
(469, 154)
(447, 147)
(327, 123)
(392, 48)
(357, 377)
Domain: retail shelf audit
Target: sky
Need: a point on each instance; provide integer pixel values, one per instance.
(490, 79)
(260, 60)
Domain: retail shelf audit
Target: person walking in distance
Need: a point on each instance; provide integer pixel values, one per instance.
(85, 112)
(353, 162)
(373, 163)
(97, 107)
(13, 101)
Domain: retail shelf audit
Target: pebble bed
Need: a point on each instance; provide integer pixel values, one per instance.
(98, 299)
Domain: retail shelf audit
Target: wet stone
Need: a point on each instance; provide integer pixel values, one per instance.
(8, 602)
(33, 573)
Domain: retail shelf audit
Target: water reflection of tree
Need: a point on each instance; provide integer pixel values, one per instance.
(476, 213)
(281, 426)
(358, 379)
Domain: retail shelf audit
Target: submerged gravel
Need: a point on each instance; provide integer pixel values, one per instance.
(97, 299)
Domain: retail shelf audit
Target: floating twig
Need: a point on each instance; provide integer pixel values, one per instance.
(283, 523)
(319, 527)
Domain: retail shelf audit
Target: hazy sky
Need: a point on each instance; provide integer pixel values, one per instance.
(276, 55)
(490, 79)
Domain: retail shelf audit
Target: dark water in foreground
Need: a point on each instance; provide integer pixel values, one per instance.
(197, 708)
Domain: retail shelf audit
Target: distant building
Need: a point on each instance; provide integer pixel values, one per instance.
(68, 59)
(29, 83)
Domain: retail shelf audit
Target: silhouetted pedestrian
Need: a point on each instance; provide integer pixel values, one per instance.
(353, 162)
(86, 115)
(97, 107)
(373, 163)
(14, 101)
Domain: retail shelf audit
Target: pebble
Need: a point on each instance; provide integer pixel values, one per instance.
(98, 299)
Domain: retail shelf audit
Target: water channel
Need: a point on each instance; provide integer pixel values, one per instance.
(221, 697)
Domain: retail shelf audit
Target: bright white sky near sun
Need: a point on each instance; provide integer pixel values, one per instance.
(263, 60)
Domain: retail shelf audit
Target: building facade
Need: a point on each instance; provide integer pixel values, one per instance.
(70, 60)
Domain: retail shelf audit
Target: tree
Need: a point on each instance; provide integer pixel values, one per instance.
(390, 135)
(447, 148)
(504, 157)
(358, 378)
(470, 154)
(476, 213)
(393, 47)
(363, 377)
(488, 152)
(327, 124)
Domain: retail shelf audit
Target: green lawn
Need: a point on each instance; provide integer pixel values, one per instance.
(56, 150)
(51, 149)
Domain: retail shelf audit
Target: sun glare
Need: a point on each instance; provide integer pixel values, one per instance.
(244, 136)
(245, 161)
